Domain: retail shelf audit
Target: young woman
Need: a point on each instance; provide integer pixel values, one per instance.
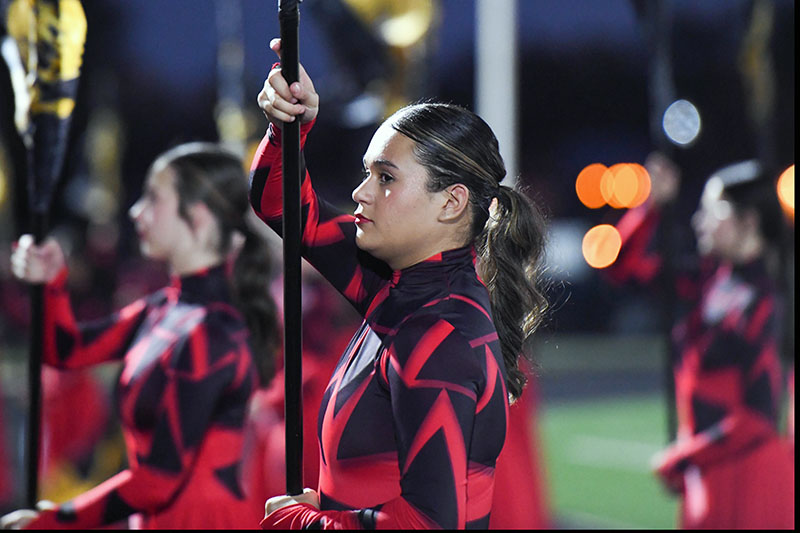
(729, 463)
(191, 352)
(441, 260)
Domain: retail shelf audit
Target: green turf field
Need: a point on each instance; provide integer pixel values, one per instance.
(596, 455)
(602, 416)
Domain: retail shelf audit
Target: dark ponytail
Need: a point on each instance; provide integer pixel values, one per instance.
(457, 146)
(207, 173)
(252, 274)
(510, 250)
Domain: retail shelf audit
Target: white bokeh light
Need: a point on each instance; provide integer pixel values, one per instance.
(681, 122)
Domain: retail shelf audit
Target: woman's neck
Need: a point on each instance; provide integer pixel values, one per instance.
(188, 264)
(750, 248)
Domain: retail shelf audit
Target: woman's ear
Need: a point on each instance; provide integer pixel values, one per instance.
(751, 222)
(199, 216)
(456, 202)
(203, 224)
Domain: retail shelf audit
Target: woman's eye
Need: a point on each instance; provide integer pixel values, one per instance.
(382, 178)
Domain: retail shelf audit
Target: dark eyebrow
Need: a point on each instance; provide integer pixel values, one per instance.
(381, 163)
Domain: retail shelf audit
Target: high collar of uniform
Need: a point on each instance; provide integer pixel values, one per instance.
(203, 286)
(441, 264)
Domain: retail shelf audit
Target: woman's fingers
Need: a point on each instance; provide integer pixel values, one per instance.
(304, 90)
(277, 83)
(276, 107)
(36, 264)
(276, 98)
(45, 505)
(20, 256)
(25, 241)
(283, 102)
(18, 519)
(308, 496)
(275, 45)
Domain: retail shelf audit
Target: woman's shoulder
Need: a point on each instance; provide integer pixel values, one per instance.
(468, 311)
(223, 322)
(211, 335)
(217, 324)
(455, 324)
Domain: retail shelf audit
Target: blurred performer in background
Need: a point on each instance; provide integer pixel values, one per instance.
(729, 462)
(193, 353)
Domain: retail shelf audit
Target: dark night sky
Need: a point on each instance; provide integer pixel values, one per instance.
(583, 86)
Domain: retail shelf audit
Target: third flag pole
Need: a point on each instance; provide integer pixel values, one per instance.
(44, 52)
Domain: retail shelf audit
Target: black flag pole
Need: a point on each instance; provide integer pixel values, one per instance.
(657, 18)
(289, 17)
(44, 52)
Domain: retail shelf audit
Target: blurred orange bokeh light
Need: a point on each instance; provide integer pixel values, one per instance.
(622, 185)
(601, 245)
(587, 185)
(786, 191)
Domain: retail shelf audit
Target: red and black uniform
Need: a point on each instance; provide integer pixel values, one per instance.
(415, 413)
(186, 379)
(729, 461)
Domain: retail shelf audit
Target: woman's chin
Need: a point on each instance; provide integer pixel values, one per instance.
(360, 241)
(704, 245)
(148, 252)
(363, 245)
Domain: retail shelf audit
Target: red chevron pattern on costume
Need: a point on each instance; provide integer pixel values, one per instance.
(429, 342)
(185, 383)
(442, 416)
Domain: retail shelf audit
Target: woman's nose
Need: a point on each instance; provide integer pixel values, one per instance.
(360, 194)
(698, 219)
(136, 210)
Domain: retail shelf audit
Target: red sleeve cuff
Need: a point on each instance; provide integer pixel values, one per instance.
(60, 281)
(275, 134)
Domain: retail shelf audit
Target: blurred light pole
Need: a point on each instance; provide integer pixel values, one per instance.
(496, 76)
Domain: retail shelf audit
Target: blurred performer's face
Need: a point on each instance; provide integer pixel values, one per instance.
(163, 233)
(716, 223)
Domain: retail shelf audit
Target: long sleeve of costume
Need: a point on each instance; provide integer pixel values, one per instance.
(69, 344)
(326, 231)
(175, 397)
(641, 263)
(445, 467)
(637, 261)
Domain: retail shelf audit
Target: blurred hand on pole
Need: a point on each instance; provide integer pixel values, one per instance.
(665, 178)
